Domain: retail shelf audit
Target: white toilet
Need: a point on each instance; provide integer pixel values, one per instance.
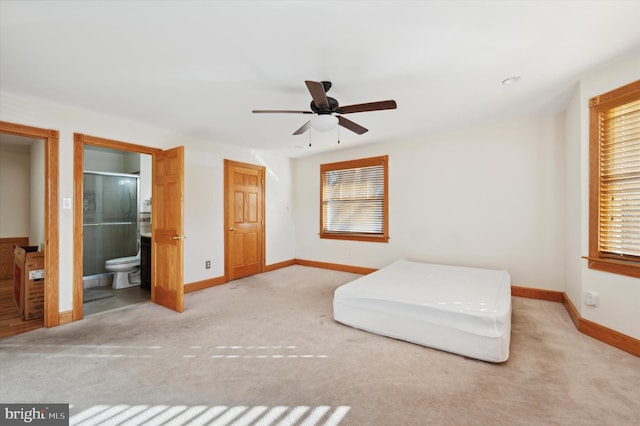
(126, 271)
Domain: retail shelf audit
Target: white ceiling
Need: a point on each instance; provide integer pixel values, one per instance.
(199, 67)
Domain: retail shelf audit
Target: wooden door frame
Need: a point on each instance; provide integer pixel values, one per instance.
(262, 243)
(79, 142)
(51, 221)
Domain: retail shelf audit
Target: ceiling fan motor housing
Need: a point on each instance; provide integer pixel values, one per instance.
(333, 104)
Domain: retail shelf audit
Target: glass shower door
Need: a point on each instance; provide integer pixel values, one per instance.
(110, 219)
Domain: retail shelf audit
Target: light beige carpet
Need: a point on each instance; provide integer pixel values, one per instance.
(265, 350)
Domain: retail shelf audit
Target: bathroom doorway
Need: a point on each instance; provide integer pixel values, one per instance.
(116, 214)
(166, 246)
(113, 201)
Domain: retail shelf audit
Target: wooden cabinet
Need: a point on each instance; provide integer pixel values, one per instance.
(145, 262)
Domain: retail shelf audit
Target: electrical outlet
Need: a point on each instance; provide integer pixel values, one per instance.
(207, 264)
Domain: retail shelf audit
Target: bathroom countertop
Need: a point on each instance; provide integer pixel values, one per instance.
(145, 234)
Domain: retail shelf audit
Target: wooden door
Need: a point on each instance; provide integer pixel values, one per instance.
(244, 219)
(167, 288)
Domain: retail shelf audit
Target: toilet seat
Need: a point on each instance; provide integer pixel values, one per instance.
(123, 260)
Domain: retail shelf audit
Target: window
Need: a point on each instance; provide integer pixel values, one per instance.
(614, 209)
(353, 200)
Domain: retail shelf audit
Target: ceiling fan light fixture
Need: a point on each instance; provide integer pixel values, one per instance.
(324, 122)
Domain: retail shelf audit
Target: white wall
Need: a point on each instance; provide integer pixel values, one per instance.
(105, 161)
(15, 185)
(22, 191)
(619, 306)
(488, 197)
(203, 184)
(36, 193)
(204, 177)
(132, 162)
(145, 182)
(573, 199)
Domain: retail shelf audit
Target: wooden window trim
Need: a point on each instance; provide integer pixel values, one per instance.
(352, 164)
(605, 101)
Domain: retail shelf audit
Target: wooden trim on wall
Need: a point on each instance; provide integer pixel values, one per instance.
(201, 285)
(51, 221)
(52, 230)
(335, 266)
(65, 317)
(613, 266)
(78, 230)
(279, 265)
(212, 282)
(600, 332)
(610, 337)
(571, 310)
(114, 144)
(537, 293)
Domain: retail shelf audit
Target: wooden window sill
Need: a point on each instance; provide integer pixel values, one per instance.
(620, 267)
(356, 237)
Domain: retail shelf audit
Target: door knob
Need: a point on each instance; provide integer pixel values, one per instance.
(178, 237)
(232, 229)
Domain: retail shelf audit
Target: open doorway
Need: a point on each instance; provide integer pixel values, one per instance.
(21, 225)
(112, 224)
(167, 225)
(44, 230)
(116, 229)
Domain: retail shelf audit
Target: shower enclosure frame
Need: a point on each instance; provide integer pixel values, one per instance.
(135, 221)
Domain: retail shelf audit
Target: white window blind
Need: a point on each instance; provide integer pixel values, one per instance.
(353, 200)
(619, 207)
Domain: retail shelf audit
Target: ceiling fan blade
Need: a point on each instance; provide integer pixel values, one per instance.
(318, 94)
(303, 129)
(370, 106)
(286, 111)
(354, 127)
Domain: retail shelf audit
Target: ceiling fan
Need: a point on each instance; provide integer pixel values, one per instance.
(325, 106)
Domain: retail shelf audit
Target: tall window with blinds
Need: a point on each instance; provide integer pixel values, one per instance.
(614, 234)
(353, 200)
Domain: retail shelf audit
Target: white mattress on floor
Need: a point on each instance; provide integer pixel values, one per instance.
(462, 310)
